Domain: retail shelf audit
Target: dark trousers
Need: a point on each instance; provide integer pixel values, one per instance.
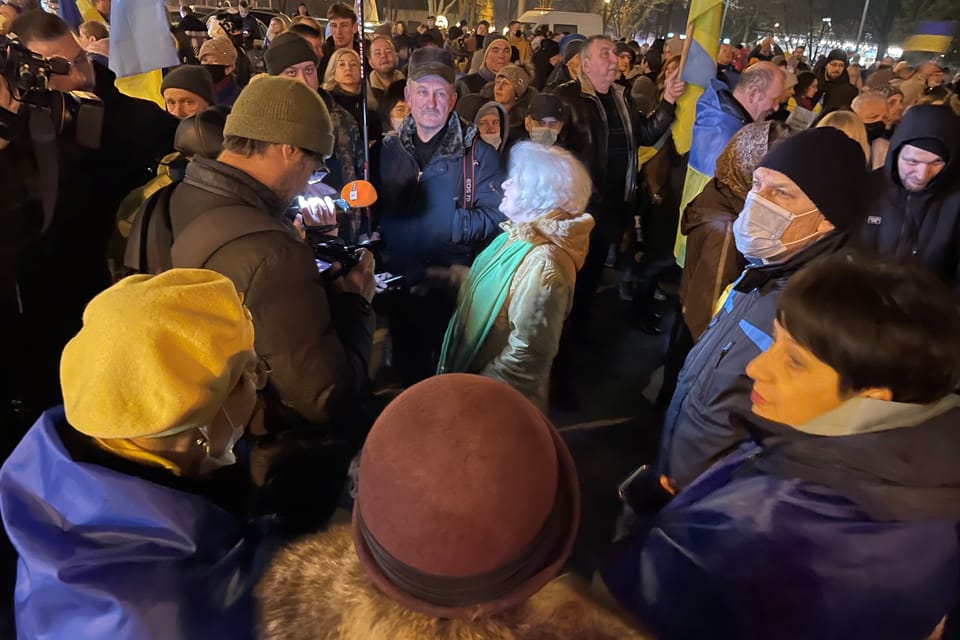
(417, 327)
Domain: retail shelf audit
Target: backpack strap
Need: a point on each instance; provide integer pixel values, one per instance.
(135, 254)
(214, 229)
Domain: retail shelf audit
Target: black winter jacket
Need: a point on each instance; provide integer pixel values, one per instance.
(316, 343)
(589, 142)
(422, 215)
(918, 226)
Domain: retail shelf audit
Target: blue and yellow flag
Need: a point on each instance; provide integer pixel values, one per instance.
(140, 43)
(931, 36)
(699, 69)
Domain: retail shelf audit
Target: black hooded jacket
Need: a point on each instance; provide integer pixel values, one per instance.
(918, 226)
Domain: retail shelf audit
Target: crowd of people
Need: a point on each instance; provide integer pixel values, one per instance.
(192, 442)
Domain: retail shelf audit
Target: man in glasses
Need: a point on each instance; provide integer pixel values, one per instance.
(314, 333)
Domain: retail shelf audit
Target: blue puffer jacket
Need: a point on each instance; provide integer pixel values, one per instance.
(104, 554)
(848, 537)
(422, 215)
(713, 386)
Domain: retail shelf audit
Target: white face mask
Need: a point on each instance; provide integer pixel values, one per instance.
(225, 458)
(759, 228)
(543, 135)
(395, 123)
(492, 139)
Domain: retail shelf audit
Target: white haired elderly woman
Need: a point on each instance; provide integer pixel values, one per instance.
(518, 292)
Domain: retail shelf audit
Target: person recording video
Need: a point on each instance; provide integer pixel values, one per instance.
(61, 191)
(314, 332)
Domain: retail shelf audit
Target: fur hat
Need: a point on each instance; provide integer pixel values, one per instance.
(431, 61)
(286, 50)
(282, 111)
(468, 499)
(218, 50)
(157, 355)
(192, 78)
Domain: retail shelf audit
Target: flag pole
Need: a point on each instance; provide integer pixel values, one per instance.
(363, 93)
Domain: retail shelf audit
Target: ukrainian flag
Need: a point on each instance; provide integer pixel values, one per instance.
(140, 43)
(932, 36)
(699, 68)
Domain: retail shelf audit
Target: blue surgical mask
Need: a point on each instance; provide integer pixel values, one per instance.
(759, 228)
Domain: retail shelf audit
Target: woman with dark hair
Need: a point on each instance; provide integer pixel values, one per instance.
(805, 91)
(392, 107)
(842, 521)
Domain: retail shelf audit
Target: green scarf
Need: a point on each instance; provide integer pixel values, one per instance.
(481, 298)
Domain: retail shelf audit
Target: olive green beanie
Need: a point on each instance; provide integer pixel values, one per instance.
(282, 111)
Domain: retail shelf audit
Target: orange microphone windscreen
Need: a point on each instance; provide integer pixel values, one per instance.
(359, 193)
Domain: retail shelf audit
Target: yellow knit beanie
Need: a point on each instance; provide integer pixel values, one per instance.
(157, 355)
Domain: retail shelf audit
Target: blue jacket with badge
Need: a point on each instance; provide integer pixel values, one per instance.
(423, 215)
(107, 554)
(713, 386)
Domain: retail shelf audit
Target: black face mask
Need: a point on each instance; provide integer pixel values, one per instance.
(217, 71)
(875, 130)
(517, 33)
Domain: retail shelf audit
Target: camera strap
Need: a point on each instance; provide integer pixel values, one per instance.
(43, 135)
(468, 181)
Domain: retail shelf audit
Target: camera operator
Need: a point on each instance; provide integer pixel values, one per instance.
(314, 333)
(61, 272)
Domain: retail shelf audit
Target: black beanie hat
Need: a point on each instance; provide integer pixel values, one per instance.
(286, 50)
(192, 78)
(838, 54)
(549, 47)
(828, 166)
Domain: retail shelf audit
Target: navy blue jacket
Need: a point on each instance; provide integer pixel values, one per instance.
(844, 537)
(421, 214)
(713, 385)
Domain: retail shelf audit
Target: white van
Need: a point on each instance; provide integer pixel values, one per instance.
(589, 24)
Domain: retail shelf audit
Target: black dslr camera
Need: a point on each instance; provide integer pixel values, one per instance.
(334, 251)
(28, 74)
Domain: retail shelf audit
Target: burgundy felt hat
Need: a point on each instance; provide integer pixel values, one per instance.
(468, 499)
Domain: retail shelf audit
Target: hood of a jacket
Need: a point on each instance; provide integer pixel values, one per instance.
(504, 120)
(715, 203)
(234, 184)
(316, 588)
(570, 232)
(458, 136)
(896, 462)
(928, 121)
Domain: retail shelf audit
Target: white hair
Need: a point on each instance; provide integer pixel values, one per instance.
(548, 178)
